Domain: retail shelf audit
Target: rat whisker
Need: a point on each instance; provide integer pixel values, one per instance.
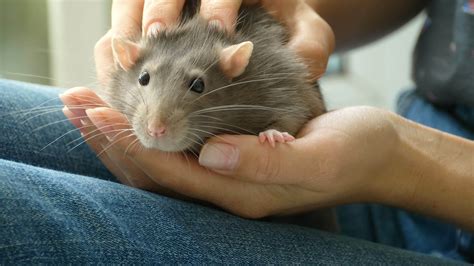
(130, 146)
(63, 135)
(82, 142)
(225, 130)
(230, 125)
(237, 107)
(187, 160)
(190, 150)
(92, 132)
(198, 137)
(55, 122)
(19, 74)
(44, 112)
(234, 84)
(90, 138)
(207, 116)
(24, 112)
(207, 132)
(113, 143)
(194, 154)
(47, 101)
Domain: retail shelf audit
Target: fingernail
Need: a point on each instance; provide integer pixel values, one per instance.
(219, 156)
(101, 122)
(216, 24)
(154, 29)
(86, 122)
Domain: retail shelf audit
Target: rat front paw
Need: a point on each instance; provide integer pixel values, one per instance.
(273, 135)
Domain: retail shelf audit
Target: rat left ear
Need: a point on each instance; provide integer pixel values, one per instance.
(125, 52)
(234, 59)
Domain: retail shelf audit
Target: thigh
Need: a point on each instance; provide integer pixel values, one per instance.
(53, 217)
(34, 131)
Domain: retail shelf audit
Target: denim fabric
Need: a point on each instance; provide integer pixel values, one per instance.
(59, 207)
(24, 135)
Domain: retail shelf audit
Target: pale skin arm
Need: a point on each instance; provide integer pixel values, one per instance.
(436, 173)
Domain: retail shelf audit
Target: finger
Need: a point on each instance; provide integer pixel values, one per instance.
(79, 99)
(124, 169)
(182, 173)
(310, 36)
(185, 176)
(221, 13)
(103, 56)
(95, 141)
(313, 40)
(159, 14)
(127, 18)
(115, 127)
(245, 158)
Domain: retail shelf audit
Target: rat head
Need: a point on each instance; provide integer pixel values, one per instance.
(163, 84)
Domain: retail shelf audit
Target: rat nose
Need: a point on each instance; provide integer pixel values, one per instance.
(156, 130)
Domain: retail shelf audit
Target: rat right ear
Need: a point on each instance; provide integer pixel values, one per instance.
(125, 52)
(234, 59)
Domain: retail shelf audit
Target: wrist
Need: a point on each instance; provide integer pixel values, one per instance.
(431, 173)
(401, 172)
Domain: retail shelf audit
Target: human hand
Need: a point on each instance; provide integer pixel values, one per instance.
(338, 158)
(311, 36)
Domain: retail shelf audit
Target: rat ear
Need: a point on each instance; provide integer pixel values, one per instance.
(125, 52)
(234, 59)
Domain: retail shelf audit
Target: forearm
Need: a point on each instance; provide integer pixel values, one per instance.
(358, 22)
(432, 173)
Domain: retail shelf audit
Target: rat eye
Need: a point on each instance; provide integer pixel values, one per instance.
(197, 85)
(144, 78)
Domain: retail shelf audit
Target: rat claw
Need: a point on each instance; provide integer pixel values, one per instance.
(261, 137)
(273, 136)
(287, 137)
(278, 137)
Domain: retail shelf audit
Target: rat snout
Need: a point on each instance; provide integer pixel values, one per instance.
(156, 128)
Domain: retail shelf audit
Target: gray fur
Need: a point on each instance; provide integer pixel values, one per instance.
(274, 79)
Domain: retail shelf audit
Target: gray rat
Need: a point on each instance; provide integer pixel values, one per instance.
(194, 81)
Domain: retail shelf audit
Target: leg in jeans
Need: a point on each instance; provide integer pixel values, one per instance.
(65, 216)
(54, 217)
(24, 134)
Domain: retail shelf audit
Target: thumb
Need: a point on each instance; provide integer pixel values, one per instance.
(245, 158)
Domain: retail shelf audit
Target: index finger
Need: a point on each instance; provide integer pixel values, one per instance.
(222, 13)
(127, 18)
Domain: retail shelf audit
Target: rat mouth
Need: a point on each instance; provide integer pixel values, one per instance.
(172, 141)
(165, 143)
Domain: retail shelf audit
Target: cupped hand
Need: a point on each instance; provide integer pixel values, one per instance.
(311, 37)
(338, 158)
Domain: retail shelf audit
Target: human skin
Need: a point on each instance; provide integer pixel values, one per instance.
(358, 154)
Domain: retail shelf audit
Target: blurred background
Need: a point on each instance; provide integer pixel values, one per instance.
(51, 42)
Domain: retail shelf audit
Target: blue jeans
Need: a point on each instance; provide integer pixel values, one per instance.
(65, 207)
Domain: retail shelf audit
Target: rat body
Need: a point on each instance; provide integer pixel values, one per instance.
(194, 81)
